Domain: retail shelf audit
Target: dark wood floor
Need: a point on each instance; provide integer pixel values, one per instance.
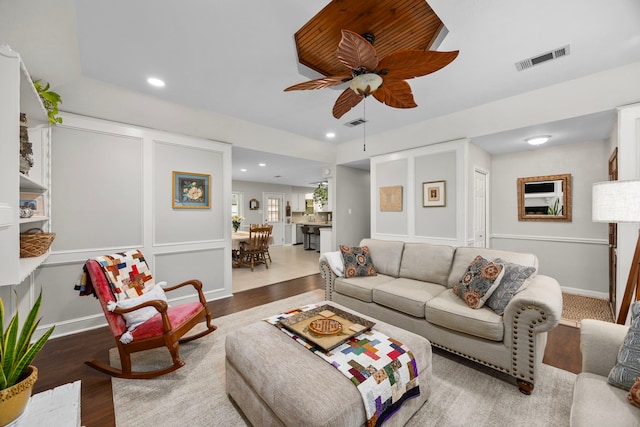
(62, 359)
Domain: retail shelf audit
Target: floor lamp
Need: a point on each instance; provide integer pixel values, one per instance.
(619, 201)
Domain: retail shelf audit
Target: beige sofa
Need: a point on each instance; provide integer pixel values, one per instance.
(413, 290)
(595, 401)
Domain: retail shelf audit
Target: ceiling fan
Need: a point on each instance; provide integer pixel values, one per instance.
(384, 79)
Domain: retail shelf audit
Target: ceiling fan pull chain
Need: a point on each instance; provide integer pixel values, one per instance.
(364, 125)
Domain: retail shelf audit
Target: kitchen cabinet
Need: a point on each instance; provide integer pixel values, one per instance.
(19, 96)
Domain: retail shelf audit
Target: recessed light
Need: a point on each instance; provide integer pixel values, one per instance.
(262, 164)
(537, 140)
(153, 81)
(243, 170)
(330, 135)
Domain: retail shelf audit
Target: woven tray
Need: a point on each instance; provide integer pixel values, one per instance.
(35, 242)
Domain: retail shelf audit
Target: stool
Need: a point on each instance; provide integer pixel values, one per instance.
(277, 382)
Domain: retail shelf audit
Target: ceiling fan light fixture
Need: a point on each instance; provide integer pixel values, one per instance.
(538, 140)
(360, 83)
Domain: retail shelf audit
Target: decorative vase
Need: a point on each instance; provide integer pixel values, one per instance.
(14, 400)
(235, 227)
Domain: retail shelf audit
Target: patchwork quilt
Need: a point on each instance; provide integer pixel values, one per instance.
(127, 272)
(382, 368)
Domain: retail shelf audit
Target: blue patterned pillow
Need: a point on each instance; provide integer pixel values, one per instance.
(515, 276)
(627, 369)
(479, 282)
(357, 261)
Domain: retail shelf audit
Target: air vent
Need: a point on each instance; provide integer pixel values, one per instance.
(544, 57)
(355, 123)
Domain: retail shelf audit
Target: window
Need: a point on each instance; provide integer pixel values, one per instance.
(236, 203)
(273, 210)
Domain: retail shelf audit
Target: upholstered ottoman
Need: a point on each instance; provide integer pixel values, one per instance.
(275, 381)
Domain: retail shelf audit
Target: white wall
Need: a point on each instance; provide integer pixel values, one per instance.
(351, 211)
(112, 191)
(575, 253)
(447, 161)
(254, 190)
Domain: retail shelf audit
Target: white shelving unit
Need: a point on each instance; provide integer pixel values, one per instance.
(19, 96)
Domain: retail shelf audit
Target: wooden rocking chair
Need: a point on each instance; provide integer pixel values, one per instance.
(165, 329)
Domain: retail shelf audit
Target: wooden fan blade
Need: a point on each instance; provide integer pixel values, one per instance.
(407, 64)
(345, 102)
(395, 93)
(355, 52)
(320, 83)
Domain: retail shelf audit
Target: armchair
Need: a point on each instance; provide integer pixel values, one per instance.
(595, 401)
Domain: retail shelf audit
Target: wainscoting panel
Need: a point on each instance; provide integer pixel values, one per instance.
(579, 264)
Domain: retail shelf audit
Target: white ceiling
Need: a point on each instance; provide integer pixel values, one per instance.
(235, 57)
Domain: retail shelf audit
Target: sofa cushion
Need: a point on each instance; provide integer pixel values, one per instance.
(406, 295)
(449, 311)
(596, 403)
(357, 261)
(627, 369)
(386, 255)
(360, 287)
(465, 255)
(515, 279)
(426, 262)
(479, 281)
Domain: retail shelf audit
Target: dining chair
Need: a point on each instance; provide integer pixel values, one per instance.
(252, 251)
(266, 245)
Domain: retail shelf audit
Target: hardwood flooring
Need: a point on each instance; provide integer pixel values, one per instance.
(62, 359)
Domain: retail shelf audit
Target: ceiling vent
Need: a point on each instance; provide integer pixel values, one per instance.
(544, 57)
(355, 123)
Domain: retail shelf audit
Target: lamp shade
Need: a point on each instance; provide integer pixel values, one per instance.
(616, 201)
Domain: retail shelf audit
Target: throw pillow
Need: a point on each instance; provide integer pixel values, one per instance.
(627, 369)
(138, 317)
(357, 261)
(479, 282)
(634, 394)
(515, 279)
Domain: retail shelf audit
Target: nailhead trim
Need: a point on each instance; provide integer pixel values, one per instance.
(531, 335)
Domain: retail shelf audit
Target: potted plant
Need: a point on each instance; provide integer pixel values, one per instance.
(50, 99)
(17, 375)
(321, 195)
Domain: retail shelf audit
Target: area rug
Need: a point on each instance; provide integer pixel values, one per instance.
(577, 307)
(463, 393)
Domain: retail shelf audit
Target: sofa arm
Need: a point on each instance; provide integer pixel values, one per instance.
(539, 305)
(599, 344)
(329, 278)
(530, 313)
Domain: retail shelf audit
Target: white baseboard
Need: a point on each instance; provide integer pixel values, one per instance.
(585, 292)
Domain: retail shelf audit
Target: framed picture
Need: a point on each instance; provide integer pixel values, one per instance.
(191, 190)
(254, 205)
(434, 194)
(33, 201)
(391, 199)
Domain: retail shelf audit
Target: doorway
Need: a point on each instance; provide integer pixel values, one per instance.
(480, 209)
(274, 215)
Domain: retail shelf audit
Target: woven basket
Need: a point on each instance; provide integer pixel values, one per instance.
(35, 242)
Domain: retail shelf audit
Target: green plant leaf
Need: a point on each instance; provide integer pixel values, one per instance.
(16, 350)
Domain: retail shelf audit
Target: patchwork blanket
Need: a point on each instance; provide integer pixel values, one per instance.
(383, 369)
(127, 272)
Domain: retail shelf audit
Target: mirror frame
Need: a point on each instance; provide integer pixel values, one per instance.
(566, 198)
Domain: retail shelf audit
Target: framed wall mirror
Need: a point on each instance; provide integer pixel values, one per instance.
(545, 198)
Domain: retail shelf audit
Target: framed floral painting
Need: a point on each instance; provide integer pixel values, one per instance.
(191, 190)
